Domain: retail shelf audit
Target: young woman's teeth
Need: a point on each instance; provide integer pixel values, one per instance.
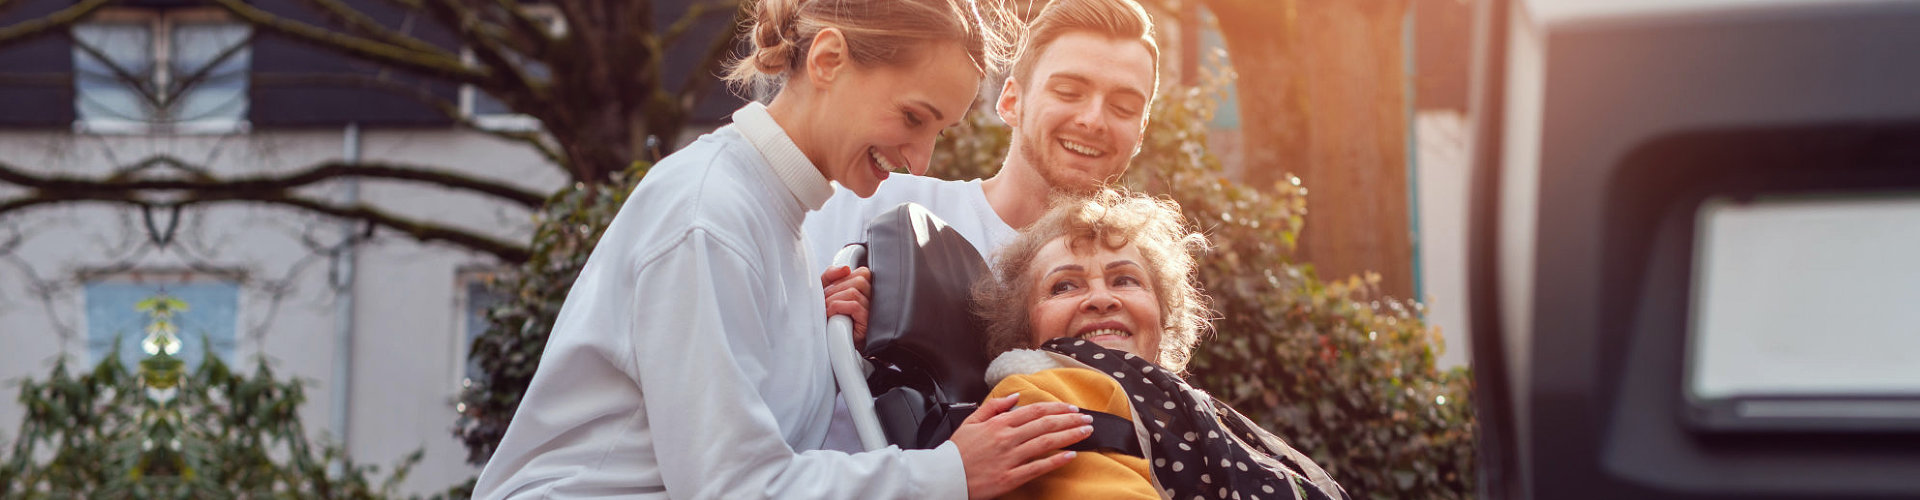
(1079, 148)
(882, 161)
(1105, 331)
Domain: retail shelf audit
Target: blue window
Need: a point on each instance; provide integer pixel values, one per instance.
(209, 321)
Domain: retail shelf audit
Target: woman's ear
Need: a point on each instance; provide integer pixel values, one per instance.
(1009, 103)
(827, 57)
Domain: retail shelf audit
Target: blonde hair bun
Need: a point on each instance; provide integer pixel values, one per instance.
(773, 35)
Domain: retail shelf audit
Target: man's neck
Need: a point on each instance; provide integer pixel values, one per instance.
(1017, 193)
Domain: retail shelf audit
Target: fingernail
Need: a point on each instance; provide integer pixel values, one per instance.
(1086, 429)
(1072, 454)
(1073, 408)
(1014, 396)
(1086, 418)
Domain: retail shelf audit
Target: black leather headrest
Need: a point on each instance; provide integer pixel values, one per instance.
(920, 318)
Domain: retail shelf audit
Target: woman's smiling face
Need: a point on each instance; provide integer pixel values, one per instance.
(1095, 293)
(889, 115)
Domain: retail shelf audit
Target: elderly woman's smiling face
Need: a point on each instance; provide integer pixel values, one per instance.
(1095, 293)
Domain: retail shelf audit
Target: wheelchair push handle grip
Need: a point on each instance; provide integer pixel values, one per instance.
(849, 369)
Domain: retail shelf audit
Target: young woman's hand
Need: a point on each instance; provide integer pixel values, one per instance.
(1004, 449)
(847, 291)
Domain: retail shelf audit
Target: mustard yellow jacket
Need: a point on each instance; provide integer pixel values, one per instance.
(1091, 475)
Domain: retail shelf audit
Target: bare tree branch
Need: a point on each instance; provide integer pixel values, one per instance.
(416, 229)
(582, 26)
(586, 27)
(507, 78)
(413, 5)
(33, 28)
(55, 184)
(437, 63)
(139, 83)
(538, 35)
(358, 22)
(132, 171)
(423, 231)
(181, 85)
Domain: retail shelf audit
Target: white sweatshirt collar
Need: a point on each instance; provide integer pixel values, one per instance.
(789, 164)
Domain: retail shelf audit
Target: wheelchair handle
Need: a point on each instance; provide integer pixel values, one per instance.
(849, 369)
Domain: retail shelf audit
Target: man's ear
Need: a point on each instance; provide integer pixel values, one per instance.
(827, 57)
(1009, 103)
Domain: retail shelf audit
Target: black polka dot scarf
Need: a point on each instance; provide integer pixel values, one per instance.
(1202, 449)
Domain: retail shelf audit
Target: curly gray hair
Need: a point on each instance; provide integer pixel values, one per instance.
(1113, 219)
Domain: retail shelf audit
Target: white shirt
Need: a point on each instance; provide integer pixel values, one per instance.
(843, 219)
(689, 360)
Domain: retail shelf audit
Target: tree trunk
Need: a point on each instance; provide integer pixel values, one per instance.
(1322, 95)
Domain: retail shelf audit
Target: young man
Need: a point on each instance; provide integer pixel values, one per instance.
(1077, 101)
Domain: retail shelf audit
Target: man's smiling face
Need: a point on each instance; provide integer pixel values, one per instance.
(1080, 118)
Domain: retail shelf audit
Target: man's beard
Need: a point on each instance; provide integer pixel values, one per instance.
(1058, 180)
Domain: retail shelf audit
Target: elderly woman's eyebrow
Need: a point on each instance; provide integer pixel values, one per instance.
(1121, 263)
(1068, 267)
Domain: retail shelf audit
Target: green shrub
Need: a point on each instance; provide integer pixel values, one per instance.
(165, 432)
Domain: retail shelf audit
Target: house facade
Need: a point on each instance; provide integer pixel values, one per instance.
(376, 321)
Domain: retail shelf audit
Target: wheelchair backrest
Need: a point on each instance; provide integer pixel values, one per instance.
(922, 333)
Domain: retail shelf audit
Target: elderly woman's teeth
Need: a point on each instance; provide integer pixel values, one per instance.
(1105, 331)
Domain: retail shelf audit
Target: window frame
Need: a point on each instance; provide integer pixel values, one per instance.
(161, 23)
(464, 278)
(243, 345)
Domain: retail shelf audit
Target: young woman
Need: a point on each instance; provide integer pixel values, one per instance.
(1104, 288)
(689, 360)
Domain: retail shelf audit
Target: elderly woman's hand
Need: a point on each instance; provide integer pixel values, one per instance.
(847, 291)
(1004, 449)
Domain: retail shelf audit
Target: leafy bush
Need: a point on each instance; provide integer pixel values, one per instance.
(164, 432)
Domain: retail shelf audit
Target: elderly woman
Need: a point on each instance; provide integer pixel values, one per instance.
(1095, 305)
